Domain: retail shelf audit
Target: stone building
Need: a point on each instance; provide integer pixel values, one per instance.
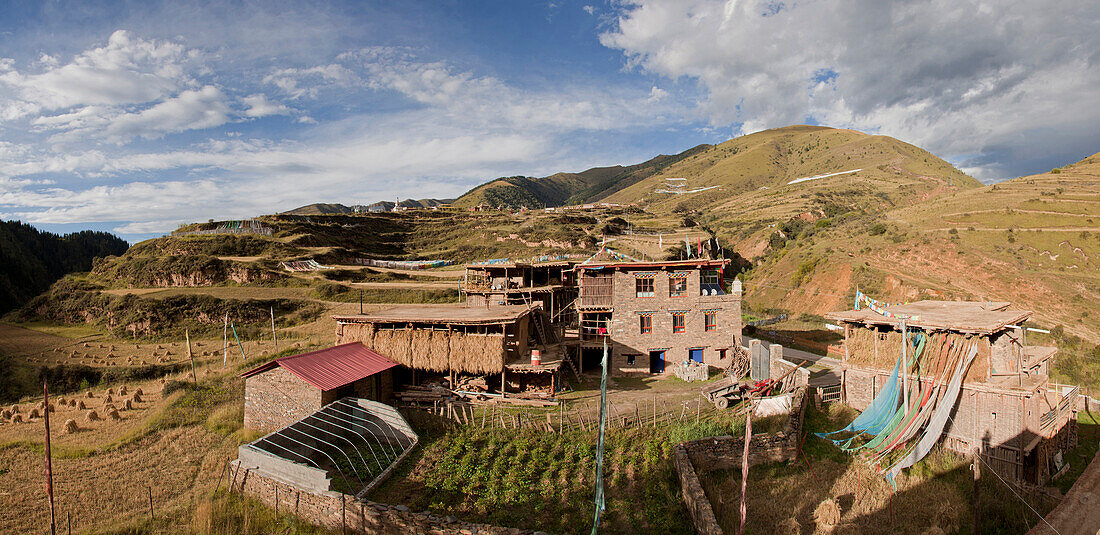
(655, 315)
(1007, 407)
(288, 389)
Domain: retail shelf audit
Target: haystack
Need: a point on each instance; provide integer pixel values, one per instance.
(477, 353)
(108, 398)
(61, 401)
(138, 392)
(14, 409)
(110, 392)
(136, 398)
(122, 390)
(70, 426)
(80, 405)
(17, 418)
(127, 405)
(5, 414)
(108, 407)
(420, 352)
(92, 416)
(113, 414)
(827, 515)
(34, 413)
(789, 526)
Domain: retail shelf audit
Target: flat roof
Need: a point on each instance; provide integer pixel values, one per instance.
(512, 265)
(985, 317)
(466, 315)
(332, 367)
(698, 263)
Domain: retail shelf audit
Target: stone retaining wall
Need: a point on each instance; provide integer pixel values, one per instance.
(725, 452)
(333, 510)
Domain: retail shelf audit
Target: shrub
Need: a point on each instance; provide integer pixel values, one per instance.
(877, 229)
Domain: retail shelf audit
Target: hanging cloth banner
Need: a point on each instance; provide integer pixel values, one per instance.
(880, 307)
(935, 427)
(600, 504)
(877, 415)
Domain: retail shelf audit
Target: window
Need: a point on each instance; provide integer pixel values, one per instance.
(645, 323)
(677, 322)
(677, 286)
(721, 354)
(644, 287)
(710, 320)
(630, 359)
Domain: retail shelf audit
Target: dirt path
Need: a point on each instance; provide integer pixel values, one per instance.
(1079, 512)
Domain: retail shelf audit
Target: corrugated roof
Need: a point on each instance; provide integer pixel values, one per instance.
(458, 315)
(331, 368)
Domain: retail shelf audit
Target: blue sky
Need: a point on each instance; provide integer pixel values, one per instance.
(135, 117)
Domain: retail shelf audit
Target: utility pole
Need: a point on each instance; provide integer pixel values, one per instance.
(49, 463)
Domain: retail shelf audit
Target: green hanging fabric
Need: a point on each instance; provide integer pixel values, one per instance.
(600, 505)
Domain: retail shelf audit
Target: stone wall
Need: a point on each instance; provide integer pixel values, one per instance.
(725, 452)
(628, 340)
(333, 510)
(277, 398)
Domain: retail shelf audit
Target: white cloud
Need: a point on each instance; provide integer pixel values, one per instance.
(957, 77)
(291, 80)
(259, 106)
(125, 71)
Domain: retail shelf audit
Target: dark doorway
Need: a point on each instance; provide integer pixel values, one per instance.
(591, 358)
(696, 355)
(656, 362)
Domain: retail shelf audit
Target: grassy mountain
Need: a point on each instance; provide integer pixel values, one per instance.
(31, 260)
(384, 206)
(567, 188)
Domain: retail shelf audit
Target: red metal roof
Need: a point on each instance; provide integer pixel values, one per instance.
(331, 368)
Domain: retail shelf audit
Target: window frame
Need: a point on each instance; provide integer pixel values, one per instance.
(638, 291)
(645, 323)
(672, 281)
(710, 321)
(682, 317)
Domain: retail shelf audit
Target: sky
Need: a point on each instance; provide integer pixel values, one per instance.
(136, 117)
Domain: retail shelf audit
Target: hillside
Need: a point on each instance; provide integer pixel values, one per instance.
(380, 206)
(567, 188)
(32, 259)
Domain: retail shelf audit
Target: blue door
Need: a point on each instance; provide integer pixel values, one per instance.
(696, 355)
(656, 362)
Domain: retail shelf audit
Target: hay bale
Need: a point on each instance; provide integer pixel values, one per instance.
(110, 392)
(122, 390)
(14, 409)
(5, 414)
(109, 407)
(80, 405)
(86, 344)
(113, 414)
(136, 398)
(17, 418)
(167, 353)
(827, 515)
(108, 398)
(92, 416)
(138, 392)
(34, 413)
(789, 526)
(127, 405)
(70, 426)
(61, 401)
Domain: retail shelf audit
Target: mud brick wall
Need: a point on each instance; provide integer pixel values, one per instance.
(277, 398)
(334, 510)
(725, 452)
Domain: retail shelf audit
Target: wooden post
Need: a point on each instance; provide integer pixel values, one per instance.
(977, 498)
(225, 341)
(49, 462)
(275, 486)
(149, 489)
(69, 522)
(561, 417)
(194, 375)
(502, 382)
(745, 470)
(343, 514)
(275, 339)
